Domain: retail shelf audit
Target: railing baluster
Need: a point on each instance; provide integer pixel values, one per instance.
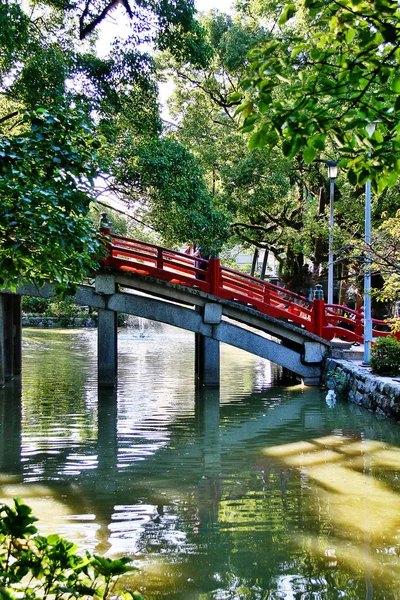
(214, 275)
(359, 322)
(267, 294)
(160, 263)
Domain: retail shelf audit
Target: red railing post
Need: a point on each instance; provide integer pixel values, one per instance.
(105, 231)
(267, 295)
(214, 274)
(160, 263)
(318, 310)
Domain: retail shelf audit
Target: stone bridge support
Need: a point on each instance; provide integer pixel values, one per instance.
(107, 334)
(207, 360)
(107, 348)
(10, 337)
(207, 349)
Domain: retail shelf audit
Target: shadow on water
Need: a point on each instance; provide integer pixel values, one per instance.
(257, 491)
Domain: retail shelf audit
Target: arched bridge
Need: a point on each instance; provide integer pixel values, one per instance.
(218, 304)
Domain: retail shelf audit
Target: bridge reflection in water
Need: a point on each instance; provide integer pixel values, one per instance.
(242, 492)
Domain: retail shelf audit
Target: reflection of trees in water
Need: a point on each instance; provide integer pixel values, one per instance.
(360, 511)
(226, 540)
(189, 488)
(55, 375)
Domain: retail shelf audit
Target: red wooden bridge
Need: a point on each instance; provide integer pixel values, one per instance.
(325, 320)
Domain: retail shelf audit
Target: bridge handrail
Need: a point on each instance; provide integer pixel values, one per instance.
(325, 320)
(270, 285)
(132, 242)
(135, 255)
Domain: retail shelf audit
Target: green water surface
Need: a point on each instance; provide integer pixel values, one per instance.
(259, 491)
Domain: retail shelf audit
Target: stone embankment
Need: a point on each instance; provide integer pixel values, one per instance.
(357, 384)
(52, 322)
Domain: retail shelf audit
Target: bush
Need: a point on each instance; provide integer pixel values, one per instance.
(34, 305)
(33, 566)
(65, 311)
(385, 356)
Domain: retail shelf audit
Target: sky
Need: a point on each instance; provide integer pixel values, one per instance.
(114, 24)
(206, 5)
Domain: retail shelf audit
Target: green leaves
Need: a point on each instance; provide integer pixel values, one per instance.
(288, 12)
(395, 85)
(177, 202)
(45, 233)
(17, 521)
(340, 76)
(309, 154)
(112, 568)
(50, 566)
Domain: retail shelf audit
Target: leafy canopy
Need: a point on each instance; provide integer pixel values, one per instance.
(339, 62)
(59, 102)
(164, 182)
(46, 174)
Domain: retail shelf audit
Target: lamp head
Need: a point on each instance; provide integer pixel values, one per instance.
(332, 168)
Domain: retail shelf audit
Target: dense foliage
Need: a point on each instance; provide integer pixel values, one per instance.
(275, 193)
(385, 356)
(45, 186)
(339, 63)
(63, 114)
(305, 82)
(34, 566)
(271, 202)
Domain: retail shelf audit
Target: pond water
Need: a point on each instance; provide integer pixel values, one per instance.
(259, 491)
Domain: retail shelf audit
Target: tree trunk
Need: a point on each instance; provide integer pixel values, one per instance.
(254, 263)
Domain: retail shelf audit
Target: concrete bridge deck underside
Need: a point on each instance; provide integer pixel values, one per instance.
(213, 320)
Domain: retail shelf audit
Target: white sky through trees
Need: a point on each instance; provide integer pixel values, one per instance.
(116, 25)
(206, 5)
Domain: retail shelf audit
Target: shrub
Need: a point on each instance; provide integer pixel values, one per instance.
(385, 356)
(34, 305)
(33, 566)
(338, 382)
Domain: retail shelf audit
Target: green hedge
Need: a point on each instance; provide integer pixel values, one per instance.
(385, 356)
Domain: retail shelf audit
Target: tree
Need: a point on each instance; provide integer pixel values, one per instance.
(51, 87)
(339, 63)
(46, 176)
(270, 201)
(163, 181)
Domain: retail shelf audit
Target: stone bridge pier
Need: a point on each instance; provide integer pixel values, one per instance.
(10, 337)
(207, 349)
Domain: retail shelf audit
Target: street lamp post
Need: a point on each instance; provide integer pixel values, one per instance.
(332, 174)
(367, 276)
(367, 266)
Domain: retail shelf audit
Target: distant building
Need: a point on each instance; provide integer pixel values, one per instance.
(247, 259)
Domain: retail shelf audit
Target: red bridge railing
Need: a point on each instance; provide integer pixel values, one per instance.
(324, 320)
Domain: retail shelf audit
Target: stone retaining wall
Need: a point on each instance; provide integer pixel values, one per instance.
(356, 384)
(52, 322)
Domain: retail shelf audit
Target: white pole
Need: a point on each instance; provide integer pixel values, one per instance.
(331, 223)
(367, 276)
